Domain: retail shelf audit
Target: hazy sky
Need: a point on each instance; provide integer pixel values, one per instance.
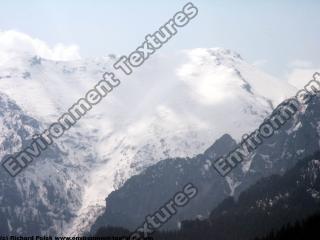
(274, 34)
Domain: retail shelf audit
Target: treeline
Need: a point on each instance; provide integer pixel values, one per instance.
(307, 229)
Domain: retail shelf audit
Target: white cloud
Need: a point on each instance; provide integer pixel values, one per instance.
(13, 43)
(301, 72)
(300, 64)
(260, 63)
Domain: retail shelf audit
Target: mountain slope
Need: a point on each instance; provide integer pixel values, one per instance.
(45, 196)
(175, 105)
(298, 138)
(144, 193)
(269, 204)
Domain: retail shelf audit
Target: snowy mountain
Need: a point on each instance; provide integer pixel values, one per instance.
(44, 197)
(175, 105)
(270, 204)
(144, 194)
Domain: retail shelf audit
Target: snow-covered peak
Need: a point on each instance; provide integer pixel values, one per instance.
(175, 105)
(217, 73)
